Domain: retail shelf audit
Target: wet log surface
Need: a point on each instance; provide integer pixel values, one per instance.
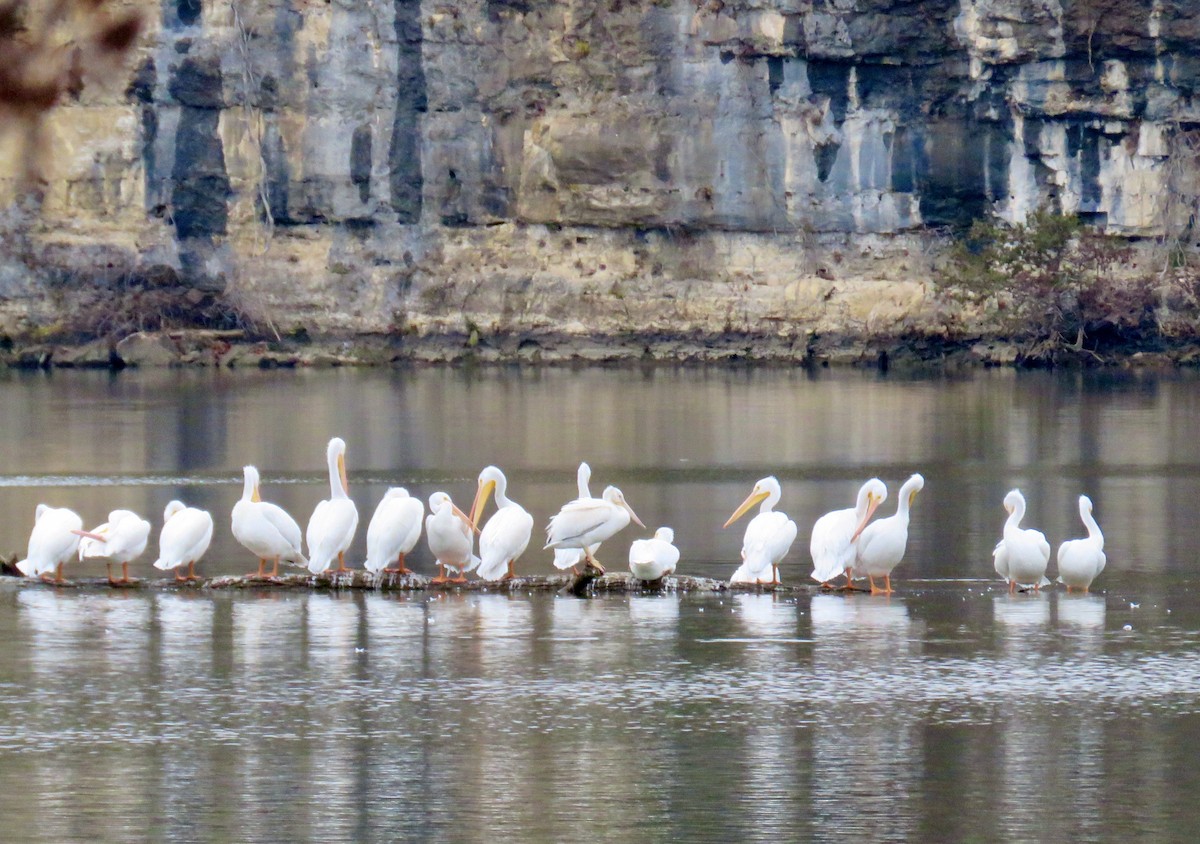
(589, 582)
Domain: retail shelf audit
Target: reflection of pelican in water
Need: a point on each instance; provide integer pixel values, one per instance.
(654, 613)
(1021, 613)
(1084, 611)
(186, 624)
(763, 616)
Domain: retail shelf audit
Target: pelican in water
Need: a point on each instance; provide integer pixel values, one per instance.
(882, 543)
(769, 536)
(333, 522)
(186, 534)
(586, 522)
(1081, 560)
(54, 540)
(265, 529)
(394, 531)
(506, 535)
(1022, 555)
(570, 558)
(121, 539)
(653, 559)
(834, 536)
(451, 537)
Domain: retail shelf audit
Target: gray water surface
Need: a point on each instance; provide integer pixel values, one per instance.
(951, 711)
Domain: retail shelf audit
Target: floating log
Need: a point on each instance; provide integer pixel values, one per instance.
(588, 583)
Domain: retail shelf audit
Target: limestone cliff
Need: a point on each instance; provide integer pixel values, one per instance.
(534, 169)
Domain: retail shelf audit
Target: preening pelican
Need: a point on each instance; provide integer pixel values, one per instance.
(1080, 560)
(265, 529)
(586, 522)
(186, 534)
(882, 543)
(121, 539)
(333, 522)
(451, 537)
(1022, 555)
(569, 558)
(834, 536)
(506, 534)
(54, 540)
(394, 531)
(769, 536)
(653, 559)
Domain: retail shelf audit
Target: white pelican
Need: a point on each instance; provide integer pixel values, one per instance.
(1021, 556)
(332, 524)
(569, 558)
(769, 536)
(653, 559)
(506, 535)
(394, 531)
(53, 541)
(451, 537)
(834, 536)
(121, 539)
(1080, 560)
(265, 529)
(586, 522)
(882, 543)
(186, 533)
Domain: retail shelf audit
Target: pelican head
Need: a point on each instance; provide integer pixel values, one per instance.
(250, 487)
(335, 455)
(1014, 501)
(665, 534)
(914, 484)
(491, 479)
(440, 500)
(173, 507)
(870, 496)
(614, 496)
(396, 492)
(1085, 504)
(763, 489)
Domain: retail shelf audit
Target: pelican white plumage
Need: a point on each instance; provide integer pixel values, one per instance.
(769, 536)
(121, 539)
(506, 535)
(569, 558)
(265, 529)
(451, 537)
(882, 543)
(1022, 555)
(185, 536)
(1081, 560)
(835, 535)
(655, 558)
(53, 541)
(332, 524)
(586, 522)
(393, 531)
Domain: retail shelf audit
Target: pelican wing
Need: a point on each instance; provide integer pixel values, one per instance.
(830, 544)
(184, 538)
(284, 524)
(1000, 559)
(576, 519)
(330, 532)
(505, 537)
(769, 537)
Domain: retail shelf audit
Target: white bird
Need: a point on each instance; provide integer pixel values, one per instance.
(769, 536)
(882, 543)
(506, 535)
(394, 531)
(121, 539)
(834, 536)
(1081, 560)
(52, 542)
(451, 537)
(332, 524)
(1022, 555)
(653, 559)
(569, 558)
(185, 536)
(265, 529)
(586, 522)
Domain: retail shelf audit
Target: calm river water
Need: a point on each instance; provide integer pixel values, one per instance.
(949, 712)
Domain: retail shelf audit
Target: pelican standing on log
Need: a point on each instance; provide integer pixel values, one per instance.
(655, 558)
(394, 531)
(570, 558)
(53, 541)
(881, 546)
(768, 538)
(186, 534)
(1081, 560)
(451, 537)
(834, 536)
(333, 522)
(1022, 555)
(265, 529)
(506, 535)
(586, 522)
(121, 539)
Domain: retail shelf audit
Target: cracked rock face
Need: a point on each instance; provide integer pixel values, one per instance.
(677, 166)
